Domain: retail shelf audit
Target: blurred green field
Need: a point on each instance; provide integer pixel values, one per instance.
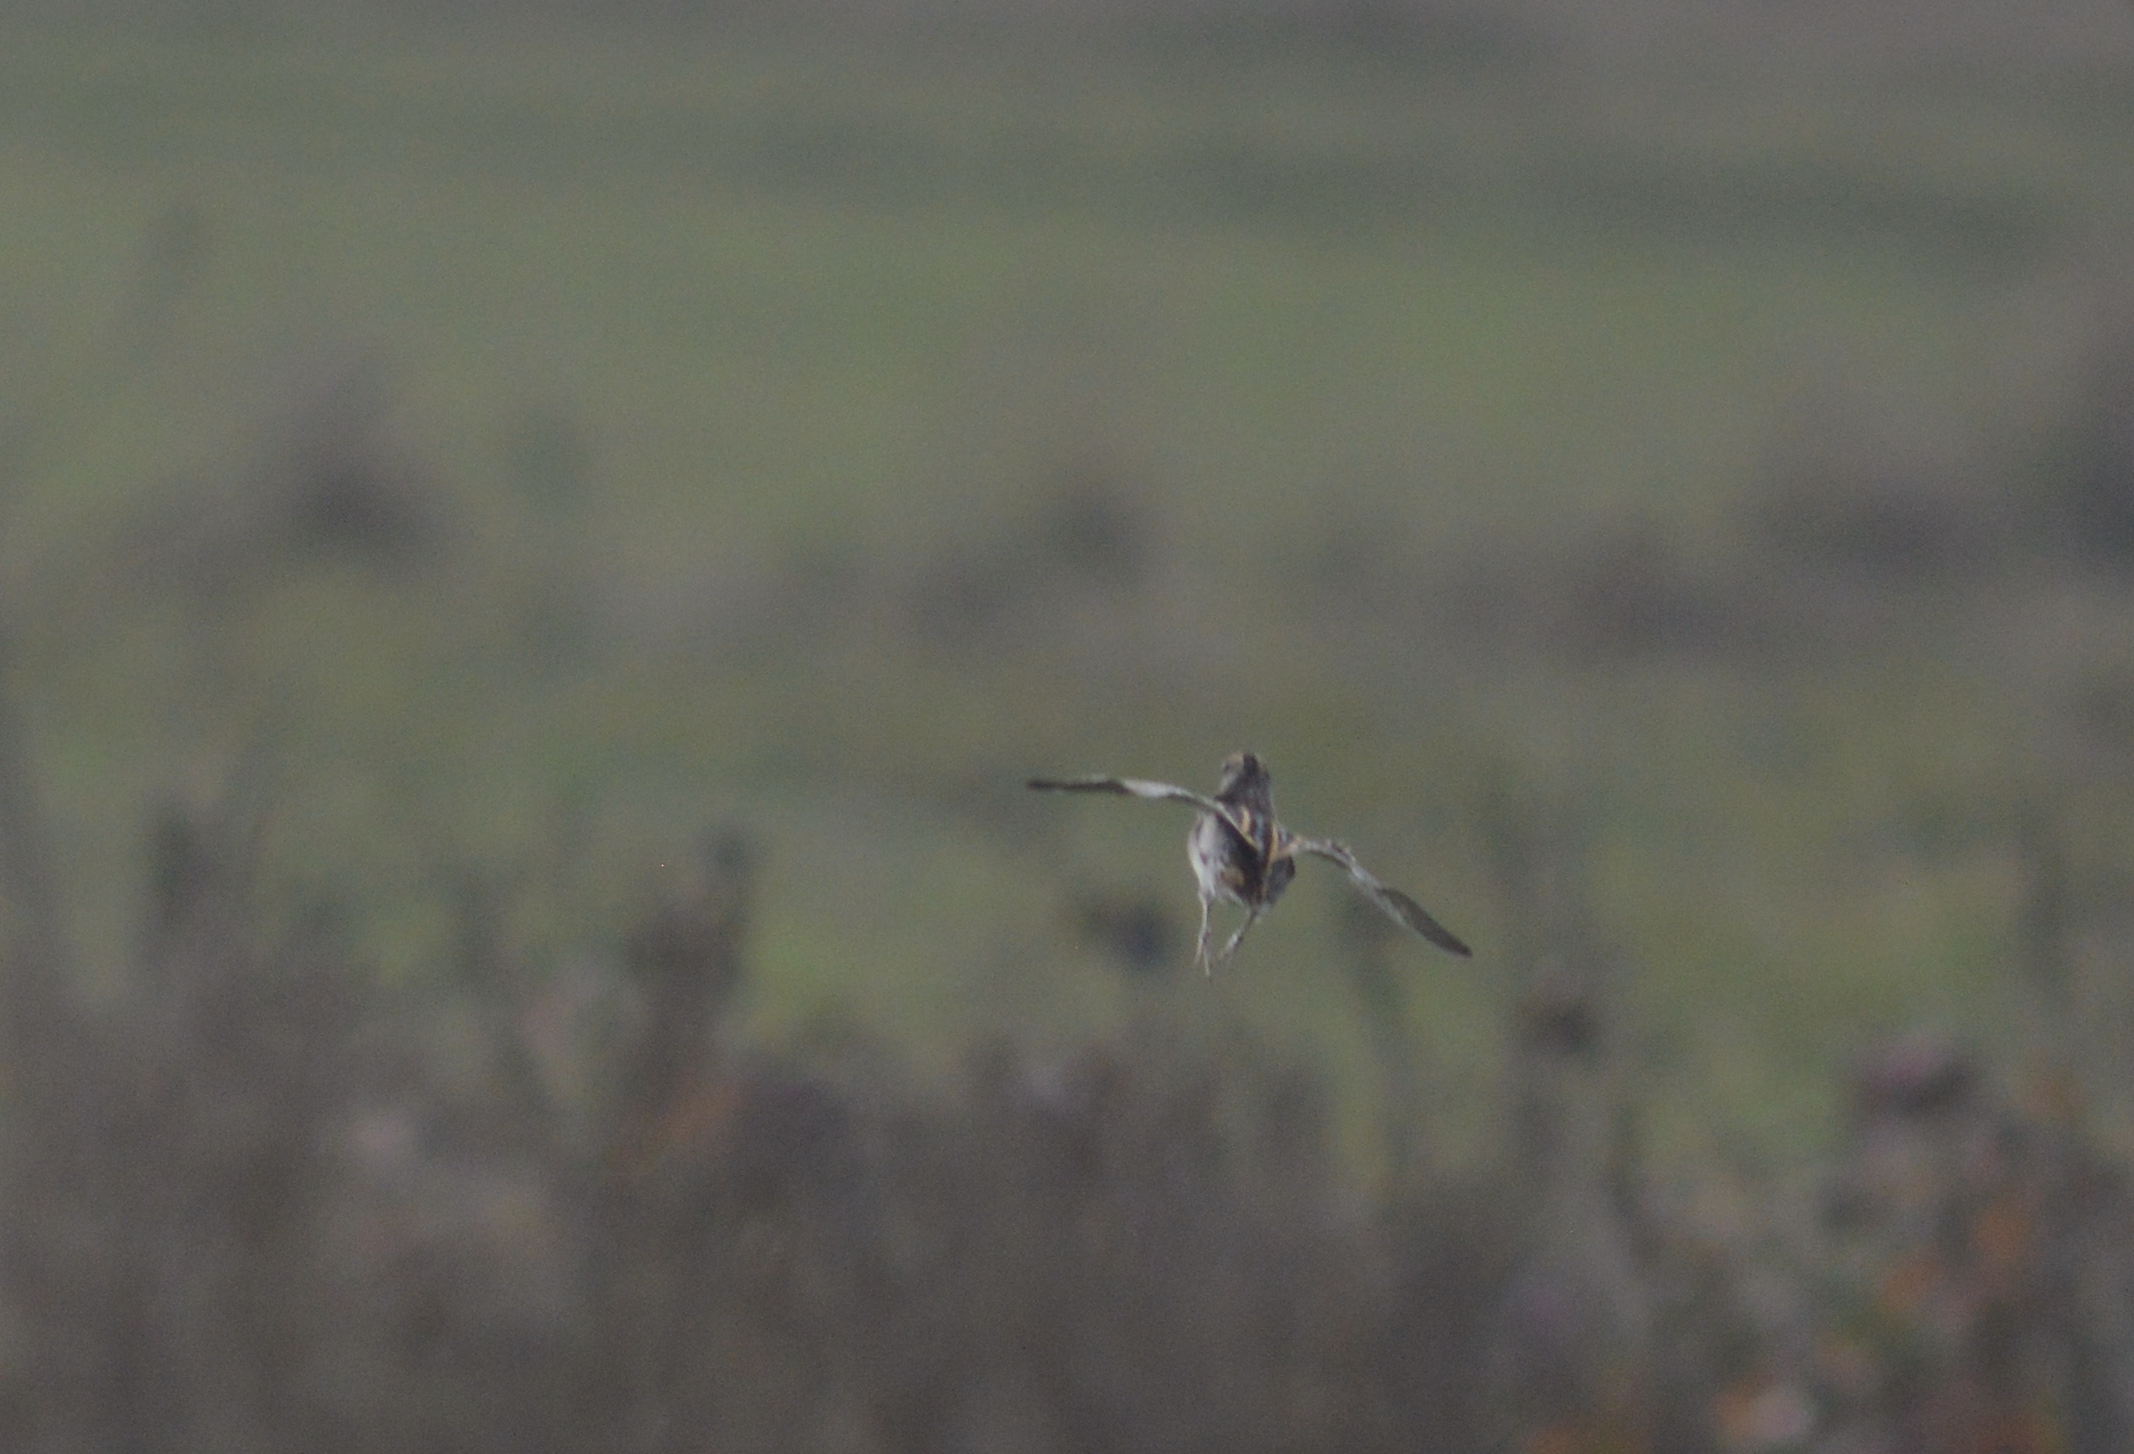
(826, 439)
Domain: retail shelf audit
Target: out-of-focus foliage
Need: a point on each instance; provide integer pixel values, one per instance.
(260, 1202)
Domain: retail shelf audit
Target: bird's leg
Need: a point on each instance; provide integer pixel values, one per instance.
(1200, 955)
(1252, 917)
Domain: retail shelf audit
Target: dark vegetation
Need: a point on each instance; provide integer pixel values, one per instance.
(256, 1202)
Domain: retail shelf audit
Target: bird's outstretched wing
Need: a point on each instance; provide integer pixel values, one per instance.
(1397, 905)
(1129, 787)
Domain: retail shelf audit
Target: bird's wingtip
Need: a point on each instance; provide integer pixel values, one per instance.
(1444, 938)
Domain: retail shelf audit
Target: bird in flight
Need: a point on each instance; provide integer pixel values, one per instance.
(1241, 855)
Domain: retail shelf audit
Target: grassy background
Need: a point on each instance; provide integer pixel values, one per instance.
(826, 438)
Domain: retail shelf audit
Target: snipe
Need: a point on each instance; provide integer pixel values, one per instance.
(1241, 855)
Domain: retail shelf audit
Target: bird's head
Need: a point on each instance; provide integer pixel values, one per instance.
(1246, 780)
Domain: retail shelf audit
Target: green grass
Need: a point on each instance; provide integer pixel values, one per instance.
(839, 314)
